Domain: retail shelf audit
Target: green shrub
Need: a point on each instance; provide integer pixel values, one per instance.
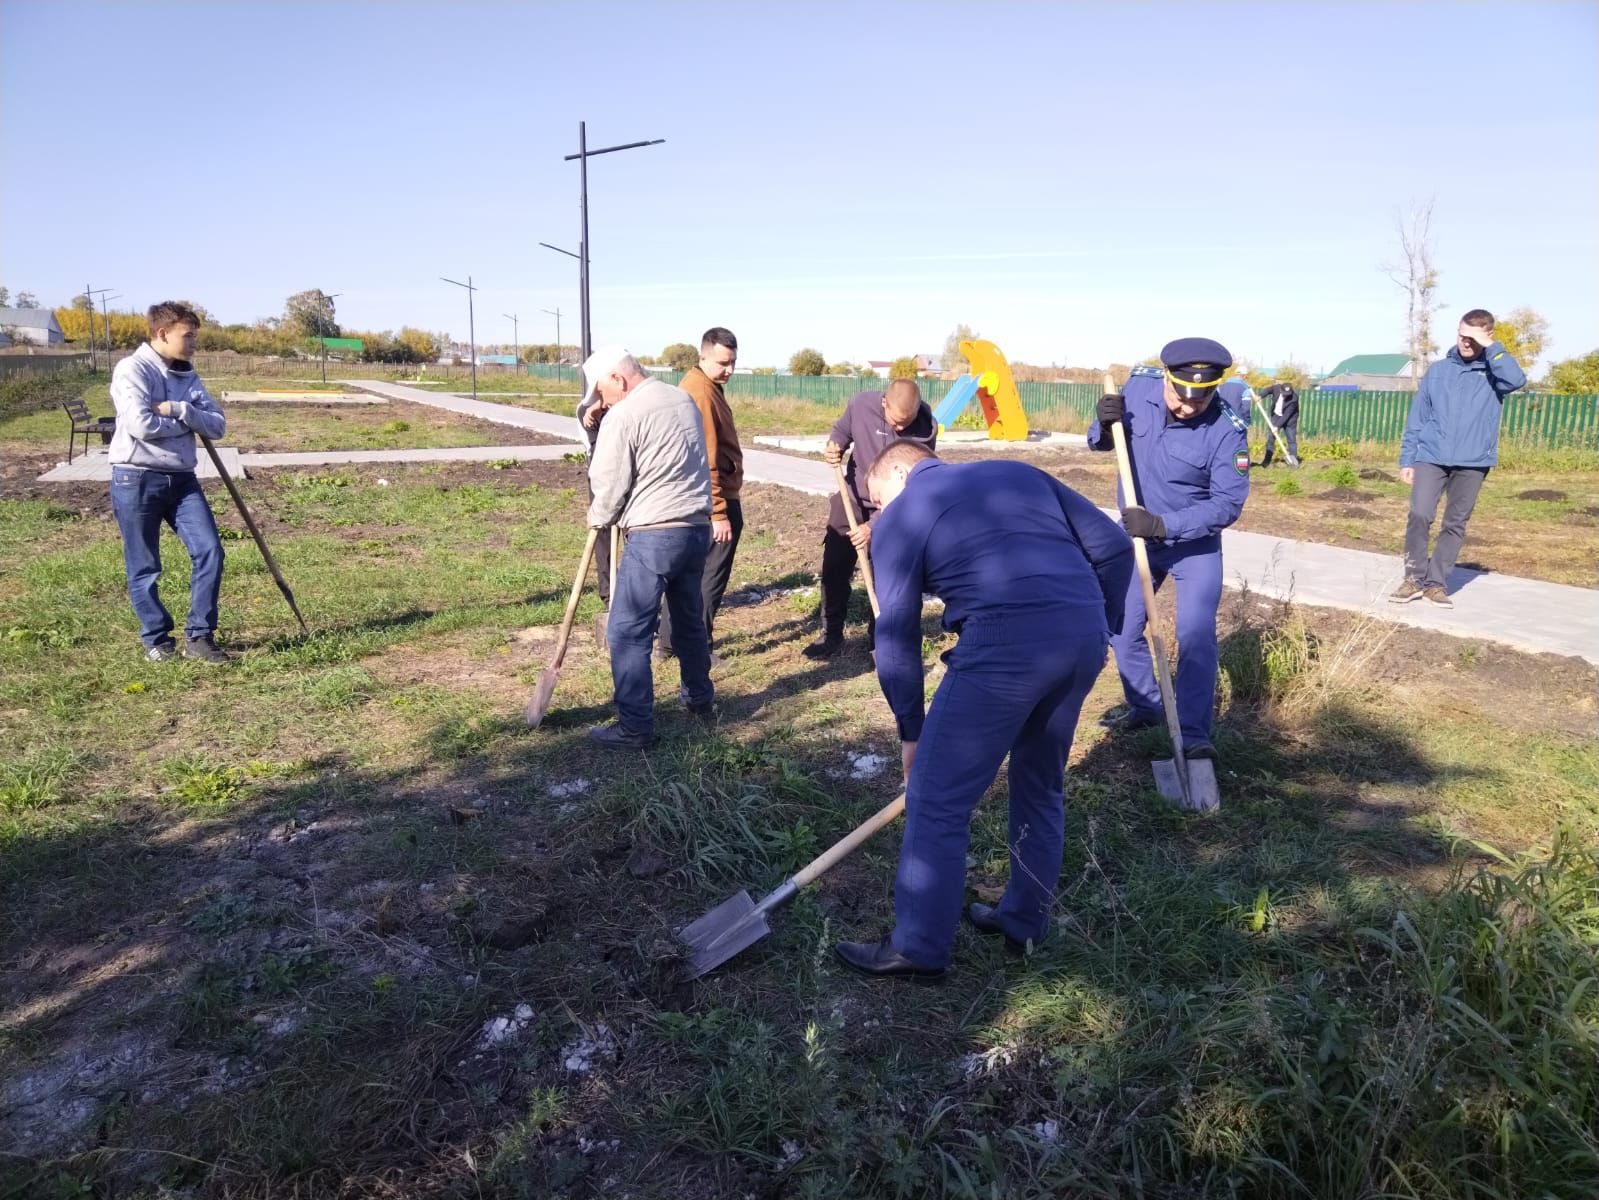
(1288, 486)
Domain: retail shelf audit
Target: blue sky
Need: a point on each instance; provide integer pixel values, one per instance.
(1080, 182)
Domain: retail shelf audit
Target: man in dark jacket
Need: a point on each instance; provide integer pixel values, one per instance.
(1032, 577)
(1451, 441)
(1282, 414)
(871, 421)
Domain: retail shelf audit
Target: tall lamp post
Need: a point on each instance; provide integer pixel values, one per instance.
(516, 340)
(105, 319)
(89, 294)
(328, 300)
(556, 313)
(471, 325)
(583, 155)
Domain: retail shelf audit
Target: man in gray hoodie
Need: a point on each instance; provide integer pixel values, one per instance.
(650, 475)
(161, 404)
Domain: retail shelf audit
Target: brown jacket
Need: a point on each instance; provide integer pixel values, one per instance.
(722, 450)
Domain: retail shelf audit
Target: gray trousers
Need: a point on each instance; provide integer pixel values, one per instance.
(1458, 486)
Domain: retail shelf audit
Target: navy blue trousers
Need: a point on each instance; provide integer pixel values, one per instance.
(1196, 566)
(1020, 698)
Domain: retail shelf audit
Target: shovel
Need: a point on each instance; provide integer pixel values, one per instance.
(539, 703)
(272, 563)
(738, 922)
(602, 621)
(1190, 785)
(849, 515)
(1276, 433)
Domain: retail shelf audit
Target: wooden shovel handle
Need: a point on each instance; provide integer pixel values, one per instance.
(849, 515)
(1157, 646)
(851, 842)
(571, 604)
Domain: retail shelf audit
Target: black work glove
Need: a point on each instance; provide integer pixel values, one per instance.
(1112, 406)
(1140, 522)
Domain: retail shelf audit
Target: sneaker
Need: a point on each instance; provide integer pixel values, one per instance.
(1408, 590)
(205, 650)
(1127, 720)
(1438, 597)
(161, 652)
(614, 736)
(831, 646)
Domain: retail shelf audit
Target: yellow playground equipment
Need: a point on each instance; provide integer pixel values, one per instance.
(989, 380)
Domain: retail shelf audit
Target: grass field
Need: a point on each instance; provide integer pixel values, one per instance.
(330, 921)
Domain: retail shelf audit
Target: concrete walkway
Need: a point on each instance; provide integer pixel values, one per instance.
(95, 467)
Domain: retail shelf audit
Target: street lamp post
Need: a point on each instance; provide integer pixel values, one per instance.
(583, 155)
(329, 325)
(89, 294)
(556, 313)
(105, 314)
(471, 326)
(516, 340)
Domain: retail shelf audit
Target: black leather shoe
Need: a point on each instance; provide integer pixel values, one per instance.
(1200, 752)
(881, 961)
(830, 646)
(1127, 720)
(985, 919)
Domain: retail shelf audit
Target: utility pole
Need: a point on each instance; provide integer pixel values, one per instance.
(471, 326)
(516, 340)
(556, 313)
(583, 155)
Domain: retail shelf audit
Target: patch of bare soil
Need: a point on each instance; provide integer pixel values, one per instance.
(1540, 494)
(1344, 493)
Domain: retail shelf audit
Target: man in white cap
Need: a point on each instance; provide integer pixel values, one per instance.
(650, 476)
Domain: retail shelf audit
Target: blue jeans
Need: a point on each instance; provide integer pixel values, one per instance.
(1196, 566)
(656, 563)
(1021, 699)
(143, 501)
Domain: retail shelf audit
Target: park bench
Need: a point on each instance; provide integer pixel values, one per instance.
(83, 423)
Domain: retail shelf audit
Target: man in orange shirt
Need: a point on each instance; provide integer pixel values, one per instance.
(718, 356)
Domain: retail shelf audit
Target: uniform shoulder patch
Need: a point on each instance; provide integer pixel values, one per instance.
(1241, 462)
(1238, 422)
(1154, 372)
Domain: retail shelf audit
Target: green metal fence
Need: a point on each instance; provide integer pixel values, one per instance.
(1531, 419)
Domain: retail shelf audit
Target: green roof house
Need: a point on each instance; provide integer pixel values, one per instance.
(1374, 373)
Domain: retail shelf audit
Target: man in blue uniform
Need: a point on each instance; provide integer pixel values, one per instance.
(1032, 577)
(1190, 460)
(1239, 396)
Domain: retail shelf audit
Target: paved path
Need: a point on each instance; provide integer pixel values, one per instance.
(95, 467)
(318, 458)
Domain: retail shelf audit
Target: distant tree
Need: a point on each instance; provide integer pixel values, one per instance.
(80, 302)
(1576, 376)
(1294, 375)
(843, 368)
(310, 314)
(420, 345)
(5, 297)
(1525, 335)
(952, 358)
(1419, 278)
(904, 367)
(764, 371)
(807, 362)
(27, 300)
(680, 356)
(868, 373)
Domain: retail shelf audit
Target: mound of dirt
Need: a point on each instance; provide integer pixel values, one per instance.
(1355, 511)
(1541, 494)
(1344, 493)
(1379, 475)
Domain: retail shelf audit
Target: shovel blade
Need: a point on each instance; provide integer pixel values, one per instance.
(543, 691)
(1203, 795)
(728, 929)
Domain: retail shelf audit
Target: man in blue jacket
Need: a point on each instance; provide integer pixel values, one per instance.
(1190, 460)
(1451, 441)
(1032, 577)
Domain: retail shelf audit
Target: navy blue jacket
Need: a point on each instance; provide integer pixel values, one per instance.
(1454, 417)
(1010, 550)
(1239, 397)
(1192, 474)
